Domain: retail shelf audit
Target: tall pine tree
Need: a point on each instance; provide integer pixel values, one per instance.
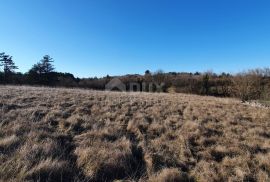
(46, 64)
(8, 67)
(43, 72)
(7, 62)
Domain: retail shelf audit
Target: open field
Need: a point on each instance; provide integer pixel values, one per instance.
(78, 135)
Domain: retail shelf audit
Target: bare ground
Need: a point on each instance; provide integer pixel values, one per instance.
(78, 135)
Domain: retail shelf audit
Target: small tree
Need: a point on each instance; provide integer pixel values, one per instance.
(205, 84)
(225, 83)
(247, 86)
(147, 72)
(159, 79)
(159, 76)
(37, 68)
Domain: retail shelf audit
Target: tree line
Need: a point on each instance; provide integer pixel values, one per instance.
(248, 85)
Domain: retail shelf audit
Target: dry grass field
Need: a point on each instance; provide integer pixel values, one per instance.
(51, 134)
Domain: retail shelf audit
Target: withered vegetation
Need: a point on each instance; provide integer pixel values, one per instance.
(51, 134)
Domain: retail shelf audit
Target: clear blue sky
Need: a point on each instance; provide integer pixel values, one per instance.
(100, 37)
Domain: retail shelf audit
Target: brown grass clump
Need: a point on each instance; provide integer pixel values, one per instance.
(49, 169)
(51, 134)
(170, 175)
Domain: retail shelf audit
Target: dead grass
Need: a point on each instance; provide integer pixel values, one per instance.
(51, 134)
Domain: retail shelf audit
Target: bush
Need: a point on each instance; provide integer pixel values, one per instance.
(247, 86)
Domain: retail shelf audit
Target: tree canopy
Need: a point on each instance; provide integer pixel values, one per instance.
(7, 62)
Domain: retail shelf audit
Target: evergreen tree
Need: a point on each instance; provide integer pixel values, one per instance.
(7, 62)
(147, 72)
(46, 64)
(9, 67)
(42, 72)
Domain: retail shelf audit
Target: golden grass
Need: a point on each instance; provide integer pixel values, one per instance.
(51, 134)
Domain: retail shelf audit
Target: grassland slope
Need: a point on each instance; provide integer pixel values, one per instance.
(49, 134)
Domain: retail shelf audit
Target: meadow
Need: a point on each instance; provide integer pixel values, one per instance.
(55, 134)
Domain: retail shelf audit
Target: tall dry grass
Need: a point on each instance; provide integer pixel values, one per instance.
(78, 135)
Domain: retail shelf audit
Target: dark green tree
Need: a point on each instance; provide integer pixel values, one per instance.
(45, 65)
(43, 72)
(8, 67)
(7, 62)
(147, 72)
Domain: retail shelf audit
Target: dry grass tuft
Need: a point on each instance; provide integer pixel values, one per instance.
(170, 175)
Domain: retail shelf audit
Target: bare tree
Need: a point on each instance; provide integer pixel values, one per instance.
(247, 86)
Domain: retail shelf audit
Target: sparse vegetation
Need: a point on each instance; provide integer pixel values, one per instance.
(49, 134)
